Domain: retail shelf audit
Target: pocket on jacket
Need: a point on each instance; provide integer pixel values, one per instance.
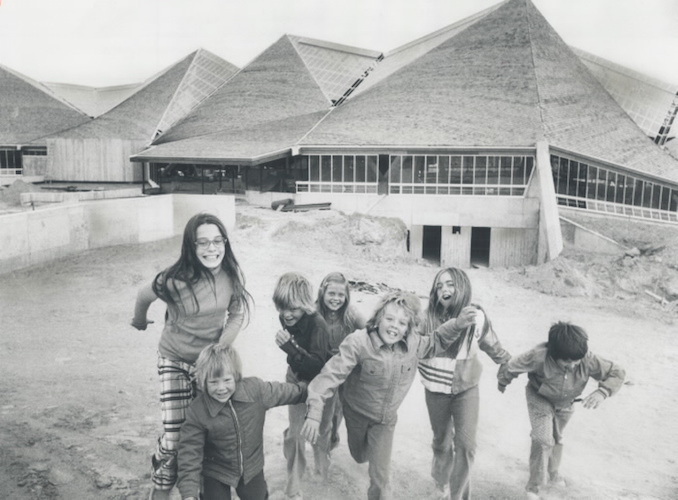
(372, 372)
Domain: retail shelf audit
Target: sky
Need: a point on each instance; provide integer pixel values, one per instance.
(114, 42)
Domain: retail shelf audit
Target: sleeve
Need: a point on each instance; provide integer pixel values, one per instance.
(439, 340)
(145, 298)
(489, 342)
(524, 363)
(309, 363)
(233, 322)
(609, 375)
(274, 394)
(333, 374)
(358, 319)
(190, 455)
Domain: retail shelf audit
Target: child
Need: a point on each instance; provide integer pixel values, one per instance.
(206, 303)
(334, 304)
(377, 366)
(221, 440)
(305, 339)
(451, 383)
(558, 372)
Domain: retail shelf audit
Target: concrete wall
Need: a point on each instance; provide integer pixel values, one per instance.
(34, 165)
(588, 240)
(37, 236)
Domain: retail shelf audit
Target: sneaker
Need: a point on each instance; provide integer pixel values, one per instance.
(442, 492)
(531, 495)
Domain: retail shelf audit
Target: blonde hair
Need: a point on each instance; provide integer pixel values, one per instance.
(407, 301)
(294, 290)
(214, 361)
(344, 312)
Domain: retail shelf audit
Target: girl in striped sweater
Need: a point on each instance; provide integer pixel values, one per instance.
(451, 382)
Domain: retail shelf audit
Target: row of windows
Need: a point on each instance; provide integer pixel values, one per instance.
(478, 170)
(584, 181)
(10, 162)
(341, 168)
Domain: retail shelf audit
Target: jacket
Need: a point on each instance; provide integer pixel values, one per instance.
(458, 368)
(376, 376)
(558, 385)
(224, 441)
(310, 334)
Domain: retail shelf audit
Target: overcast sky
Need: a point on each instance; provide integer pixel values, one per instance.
(111, 42)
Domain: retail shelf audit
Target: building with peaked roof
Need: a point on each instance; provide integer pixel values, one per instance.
(30, 111)
(99, 150)
(475, 136)
(94, 101)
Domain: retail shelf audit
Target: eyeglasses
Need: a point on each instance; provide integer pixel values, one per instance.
(203, 243)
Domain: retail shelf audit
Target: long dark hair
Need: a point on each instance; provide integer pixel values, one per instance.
(190, 270)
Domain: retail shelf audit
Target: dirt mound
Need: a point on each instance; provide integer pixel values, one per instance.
(11, 195)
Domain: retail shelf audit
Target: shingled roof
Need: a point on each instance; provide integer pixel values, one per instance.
(505, 80)
(31, 111)
(163, 95)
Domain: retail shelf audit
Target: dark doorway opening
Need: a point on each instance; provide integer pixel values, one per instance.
(480, 246)
(431, 244)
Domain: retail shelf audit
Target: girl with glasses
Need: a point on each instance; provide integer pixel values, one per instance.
(206, 303)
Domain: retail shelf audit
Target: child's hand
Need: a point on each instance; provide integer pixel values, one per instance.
(282, 336)
(140, 325)
(467, 317)
(593, 400)
(501, 387)
(310, 430)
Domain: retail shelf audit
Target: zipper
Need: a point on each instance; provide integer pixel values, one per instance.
(241, 465)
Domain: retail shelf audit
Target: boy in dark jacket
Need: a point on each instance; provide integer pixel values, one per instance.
(221, 441)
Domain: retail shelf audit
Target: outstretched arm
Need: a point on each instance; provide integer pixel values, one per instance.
(145, 298)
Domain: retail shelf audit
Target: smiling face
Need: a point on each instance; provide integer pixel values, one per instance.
(335, 296)
(221, 386)
(209, 246)
(393, 325)
(445, 289)
(291, 315)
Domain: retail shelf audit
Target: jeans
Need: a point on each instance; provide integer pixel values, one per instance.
(454, 421)
(256, 489)
(372, 442)
(547, 424)
(294, 445)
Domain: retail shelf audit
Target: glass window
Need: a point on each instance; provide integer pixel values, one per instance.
(444, 169)
(601, 184)
(467, 171)
(325, 168)
(349, 173)
(656, 196)
(315, 168)
(480, 171)
(492, 171)
(407, 169)
(337, 168)
(666, 197)
(505, 172)
(431, 170)
(372, 168)
(419, 170)
(360, 168)
(394, 170)
(647, 196)
(529, 164)
(455, 170)
(620, 188)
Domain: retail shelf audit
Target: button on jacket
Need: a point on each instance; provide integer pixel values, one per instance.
(224, 441)
(376, 376)
(558, 385)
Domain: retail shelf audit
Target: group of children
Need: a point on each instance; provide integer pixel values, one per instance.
(341, 366)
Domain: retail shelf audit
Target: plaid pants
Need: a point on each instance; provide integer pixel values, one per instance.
(176, 392)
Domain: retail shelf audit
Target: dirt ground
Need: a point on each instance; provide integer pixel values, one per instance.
(79, 414)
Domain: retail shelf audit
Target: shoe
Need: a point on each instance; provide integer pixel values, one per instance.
(531, 495)
(297, 496)
(442, 492)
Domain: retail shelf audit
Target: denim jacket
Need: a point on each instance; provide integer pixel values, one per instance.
(376, 376)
